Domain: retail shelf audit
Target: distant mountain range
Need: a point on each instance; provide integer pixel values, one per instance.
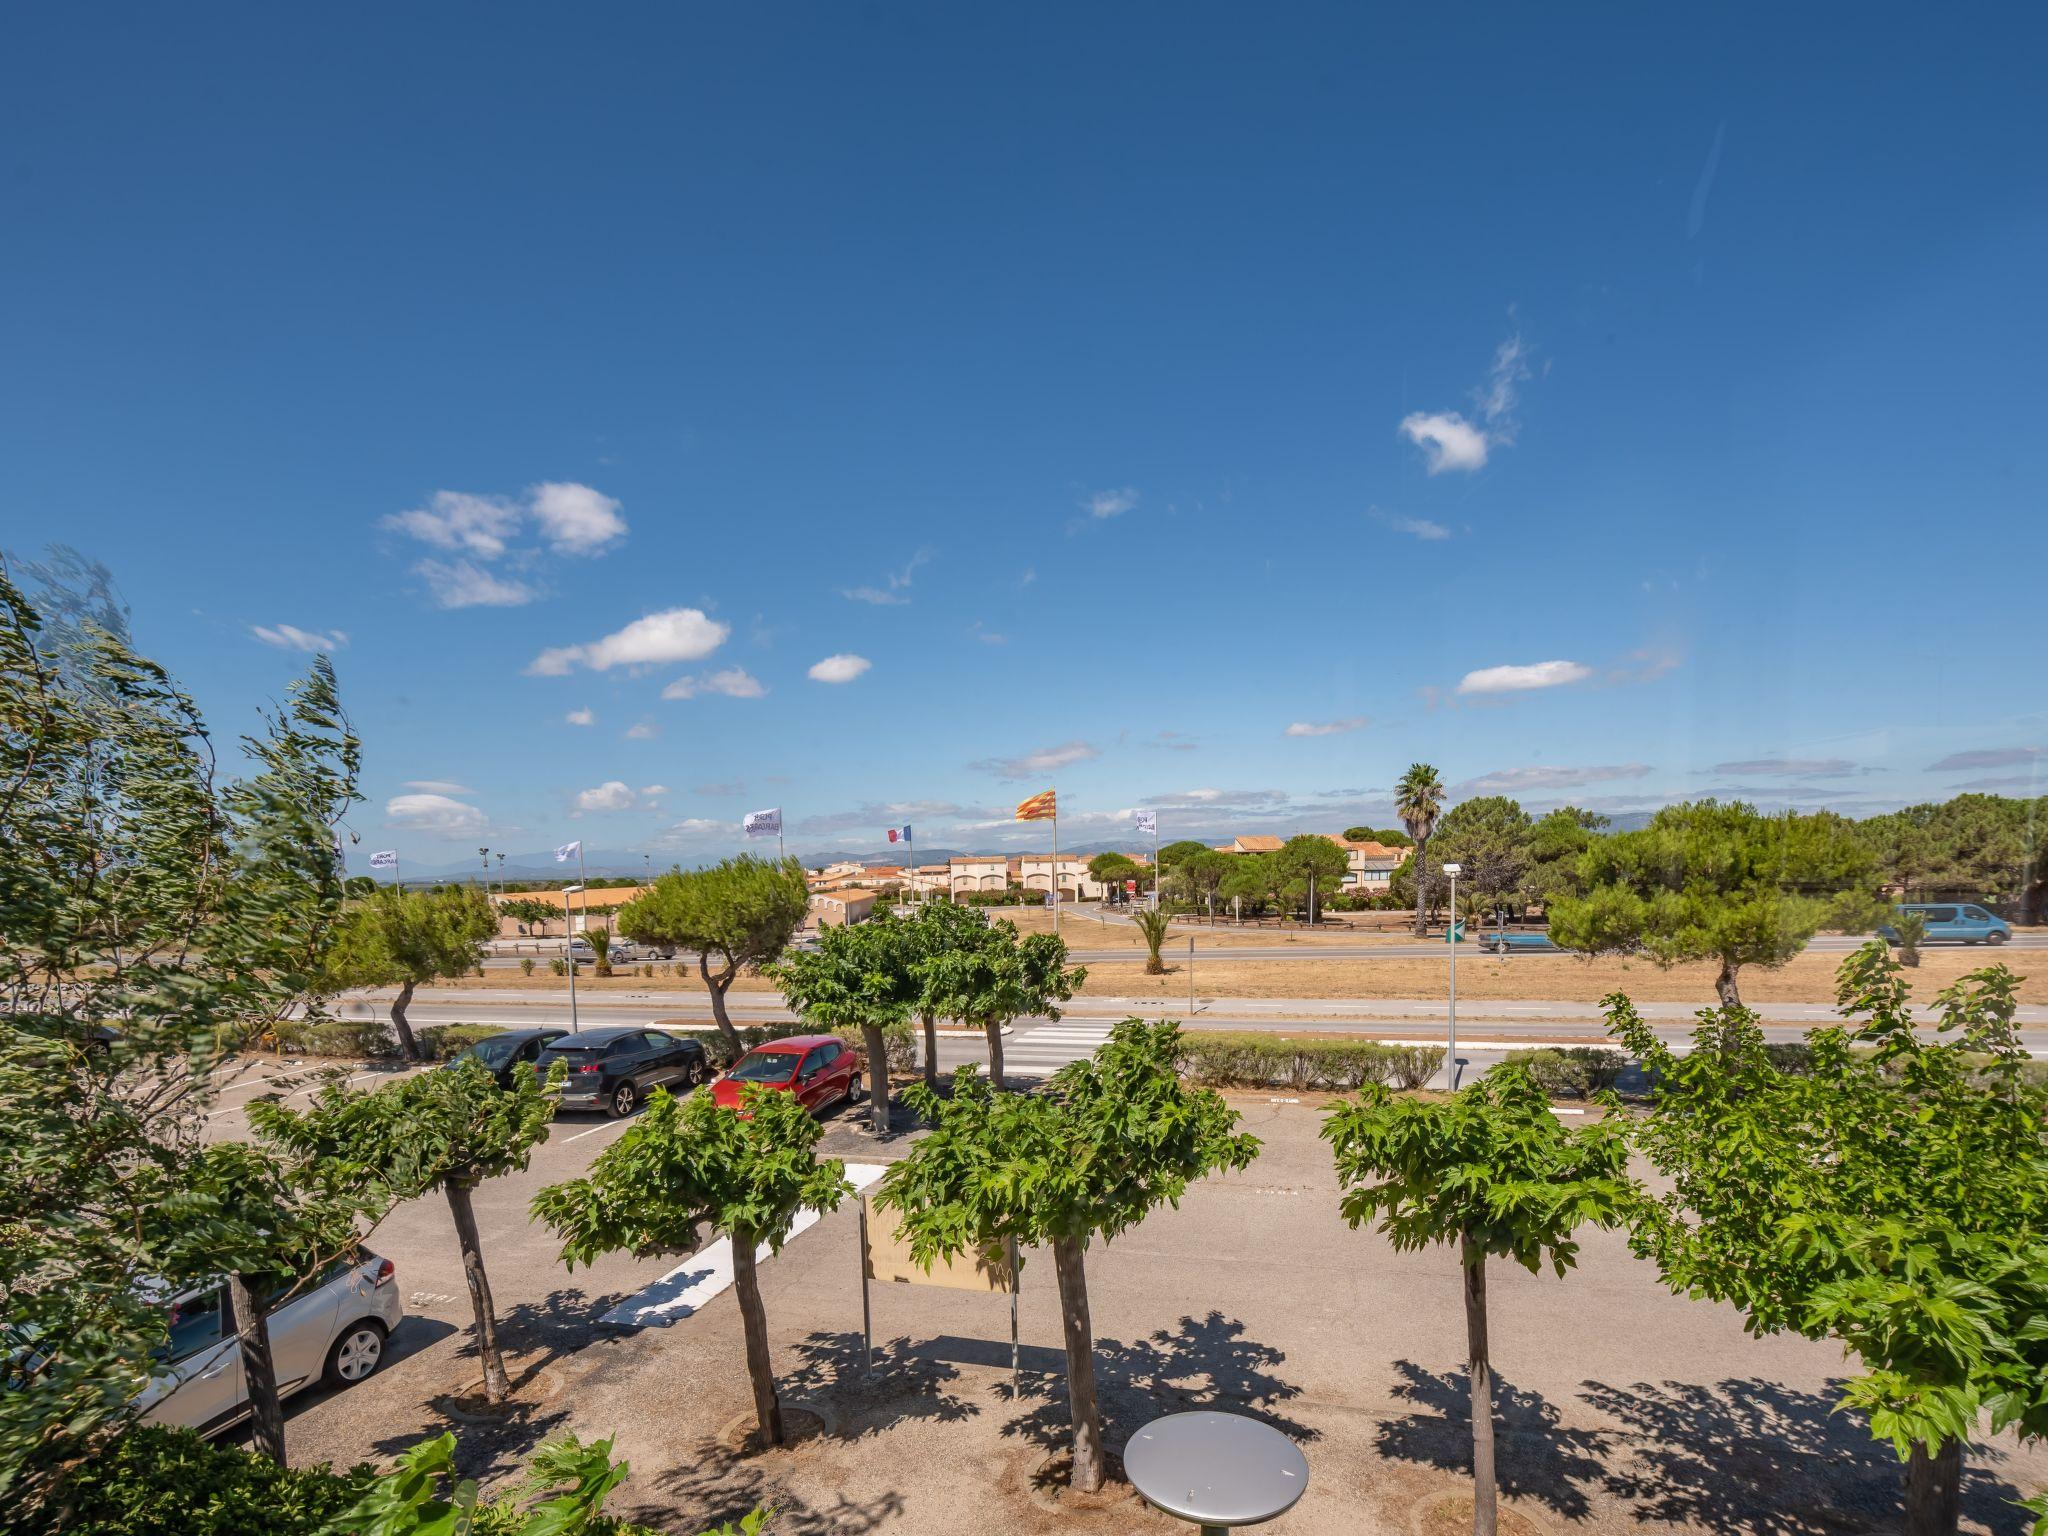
(622, 864)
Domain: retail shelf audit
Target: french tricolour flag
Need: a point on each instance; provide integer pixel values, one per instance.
(899, 834)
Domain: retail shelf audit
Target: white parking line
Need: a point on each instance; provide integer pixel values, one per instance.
(612, 1125)
(693, 1283)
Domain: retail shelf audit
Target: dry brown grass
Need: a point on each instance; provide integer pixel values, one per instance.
(1810, 978)
(1084, 930)
(679, 978)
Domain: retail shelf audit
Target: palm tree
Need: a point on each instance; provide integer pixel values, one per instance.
(1419, 800)
(1152, 923)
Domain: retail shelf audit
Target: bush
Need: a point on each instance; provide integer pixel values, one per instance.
(1572, 1071)
(558, 967)
(356, 1039)
(719, 1054)
(443, 1042)
(899, 1043)
(1273, 1061)
(526, 965)
(154, 1481)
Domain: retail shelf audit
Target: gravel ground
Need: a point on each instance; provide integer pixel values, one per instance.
(1621, 1407)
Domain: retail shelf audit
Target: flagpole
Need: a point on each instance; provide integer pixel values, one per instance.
(1055, 865)
(1156, 892)
(582, 879)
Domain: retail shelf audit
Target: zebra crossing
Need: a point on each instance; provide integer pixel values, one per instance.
(1042, 1051)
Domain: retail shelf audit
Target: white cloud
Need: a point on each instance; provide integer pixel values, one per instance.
(675, 634)
(575, 519)
(898, 582)
(1328, 727)
(435, 815)
(1789, 767)
(644, 730)
(465, 584)
(1105, 504)
(481, 525)
(1541, 674)
(438, 786)
(1446, 439)
(694, 832)
(617, 795)
(1417, 527)
(1985, 757)
(839, 669)
(1044, 760)
(733, 682)
(289, 637)
(1449, 440)
(1513, 781)
(585, 716)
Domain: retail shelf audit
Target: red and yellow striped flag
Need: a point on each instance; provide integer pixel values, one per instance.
(1040, 807)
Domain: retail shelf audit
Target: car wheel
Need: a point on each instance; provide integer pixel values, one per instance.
(356, 1354)
(623, 1101)
(856, 1090)
(699, 1071)
(1996, 938)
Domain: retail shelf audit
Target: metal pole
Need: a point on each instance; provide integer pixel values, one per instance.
(1191, 973)
(1013, 1320)
(569, 955)
(1156, 871)
(1055, 868)
(867, 1324)
(1451, 1058)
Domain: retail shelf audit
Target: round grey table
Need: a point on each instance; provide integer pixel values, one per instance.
(1216, 1469)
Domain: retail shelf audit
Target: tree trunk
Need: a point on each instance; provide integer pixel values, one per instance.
(878, 1078)
(496, 1383)
(259, 1372)
(1934, 1490)
(1080, 1339)
(716, 986)
(408, 1048)
(1421, 889)
(994, 1029)
(1724, 986)
(1484, 1515)
(754, 1322)
(931, 1052)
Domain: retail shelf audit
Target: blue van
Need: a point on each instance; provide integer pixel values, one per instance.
(1953, 922)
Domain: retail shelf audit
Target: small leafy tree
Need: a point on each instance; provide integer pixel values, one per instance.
(448, 1130)
(1113, 1138)
(1493, 1170)
(525, 909)
(1889, 1195)
(1721, 882)
(992, 976)
(601, 946)
(741, 914)
(1911, 927)
(1153, 924)
(1418, 801)
(687, 1164)
(859, 977)
(406, 939)
(1247, 879)
(1308, 867)
(1111, 870)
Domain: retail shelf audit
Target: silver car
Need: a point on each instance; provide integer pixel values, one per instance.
(332, 1333)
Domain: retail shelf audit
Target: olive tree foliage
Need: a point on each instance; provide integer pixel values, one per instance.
(737, 915)
(1893, 1195)
(407, 939)
(450, 1130)
(988, 975)
(1719, 881)
(1494, 1171)
(687, 1164)
(1109, 1140)
(861, 976)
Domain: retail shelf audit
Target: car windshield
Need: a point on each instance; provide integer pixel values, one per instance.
(764, 1067)
(492, 1053)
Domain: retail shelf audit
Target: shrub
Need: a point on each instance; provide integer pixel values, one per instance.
(1572, 1071)
(152, 1480)
(441, 1042)
(526, 966)
(647, 970)
(559, 967)
(718, 1053)
(1275, 1061)
(356, 1039)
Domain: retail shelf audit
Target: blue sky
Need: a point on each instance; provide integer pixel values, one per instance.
(1198, 408)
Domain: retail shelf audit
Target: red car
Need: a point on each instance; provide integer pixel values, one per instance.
(819, 1069)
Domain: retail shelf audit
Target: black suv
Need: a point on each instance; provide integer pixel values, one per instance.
(613, 1069)
(502, 1055)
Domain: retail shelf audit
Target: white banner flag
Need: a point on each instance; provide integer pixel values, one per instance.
(763, 823)
(1148, 821)
(567, 852)
(386, 859)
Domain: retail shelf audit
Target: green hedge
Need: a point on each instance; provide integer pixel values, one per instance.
(444, 1042)
(153, 1481)
(1251, 1060)
(899, 1041)
(1572, 1071)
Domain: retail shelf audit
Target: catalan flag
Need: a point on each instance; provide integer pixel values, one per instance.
(1040, 807)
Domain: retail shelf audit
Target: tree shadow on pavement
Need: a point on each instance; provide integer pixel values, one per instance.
(559, 1324)
(714, 1487)
(1762, 1459)
(908, 1383)
(1200, 1363)
(1535, 1456)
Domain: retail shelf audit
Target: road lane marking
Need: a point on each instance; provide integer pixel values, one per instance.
(688, 1287)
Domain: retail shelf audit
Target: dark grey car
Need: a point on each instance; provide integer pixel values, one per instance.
(615, 1069)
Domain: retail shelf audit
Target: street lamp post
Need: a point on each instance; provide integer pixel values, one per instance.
(1451, 936)
(569, 951)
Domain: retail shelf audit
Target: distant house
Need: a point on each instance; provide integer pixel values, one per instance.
(1036, 872)
(970, 872)
(931, 880)
(584, 909)
(834, 908)
(1256, 843)
(1368, 866)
